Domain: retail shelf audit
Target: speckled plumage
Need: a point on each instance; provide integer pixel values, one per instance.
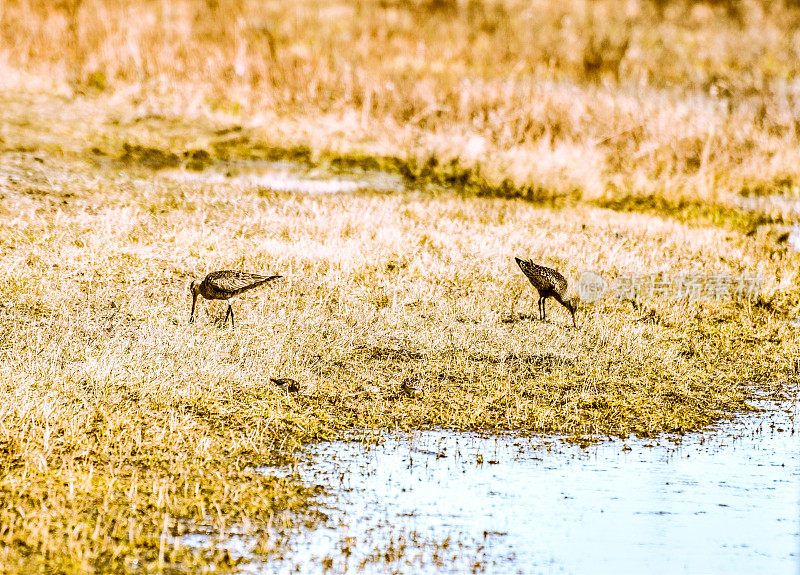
(411, 387)
(286, 384)
(226, 284)
(549, 283)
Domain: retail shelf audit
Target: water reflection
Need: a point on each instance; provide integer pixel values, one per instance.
(287, 176)
(726, 501)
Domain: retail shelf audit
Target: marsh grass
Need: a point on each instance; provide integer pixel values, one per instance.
(676, 100)
(122, 423)
(584, 137)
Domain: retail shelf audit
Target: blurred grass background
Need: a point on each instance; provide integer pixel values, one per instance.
(612, 99)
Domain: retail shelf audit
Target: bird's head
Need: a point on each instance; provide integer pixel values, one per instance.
(573, 303)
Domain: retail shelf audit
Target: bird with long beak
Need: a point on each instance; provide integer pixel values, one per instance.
(549, 283)
(225, 284)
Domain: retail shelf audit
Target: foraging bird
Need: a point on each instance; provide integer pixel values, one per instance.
(411, 387)
(549, 283)
(225, 285)
(286, 384)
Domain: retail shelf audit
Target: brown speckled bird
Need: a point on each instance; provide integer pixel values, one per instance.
(411, 387)
(286, 384)
(549, 283)
(225, 285)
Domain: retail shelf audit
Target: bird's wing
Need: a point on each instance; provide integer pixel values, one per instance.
(526, 266)
(541, 281)
(543, 278)
(233, 281)
(559, 283)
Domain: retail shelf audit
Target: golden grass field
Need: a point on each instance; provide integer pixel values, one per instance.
(621, 137)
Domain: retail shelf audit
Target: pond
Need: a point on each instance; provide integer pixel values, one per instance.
(723, 501)
(287, 176)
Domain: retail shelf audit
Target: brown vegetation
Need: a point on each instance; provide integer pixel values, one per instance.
(620, 137)
(677, 99)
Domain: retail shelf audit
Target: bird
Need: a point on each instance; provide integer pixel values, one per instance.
(549, 283)
(286, 384)
(411, 387)
(225, 284)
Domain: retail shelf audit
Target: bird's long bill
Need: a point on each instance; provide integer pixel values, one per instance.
(194, 301)
(574, 323)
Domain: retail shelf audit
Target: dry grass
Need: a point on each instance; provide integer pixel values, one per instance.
(121, 426)
(668, 98)
(117, 416)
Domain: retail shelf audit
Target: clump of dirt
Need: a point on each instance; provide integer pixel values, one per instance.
(240, 146)
(152, 158)
(689, 210)
(156, 159)
(198, 160)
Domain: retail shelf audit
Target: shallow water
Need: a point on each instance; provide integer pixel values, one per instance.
(781, 203)
(724, 501)
(794, 238)
(286, 176)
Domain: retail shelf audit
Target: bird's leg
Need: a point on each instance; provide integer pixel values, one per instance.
(227, 313)
(230, 311)
(540, 307)
(544, 310)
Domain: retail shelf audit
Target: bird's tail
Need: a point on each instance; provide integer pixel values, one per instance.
(263, 280)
